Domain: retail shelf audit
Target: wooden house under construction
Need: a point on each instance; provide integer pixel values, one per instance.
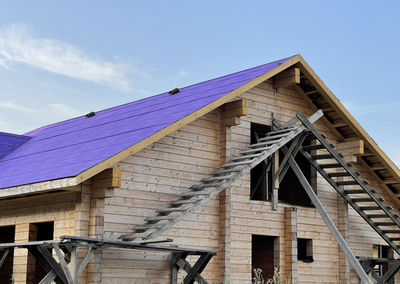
(259, 169)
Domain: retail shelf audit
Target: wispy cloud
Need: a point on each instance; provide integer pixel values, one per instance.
(372, 109)
(28, 117)
(18, 45)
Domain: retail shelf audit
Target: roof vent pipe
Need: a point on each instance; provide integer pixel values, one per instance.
(90, 114)
(174, 91)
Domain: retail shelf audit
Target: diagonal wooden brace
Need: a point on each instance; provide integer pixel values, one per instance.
(197, 268)
(3, 258)
(46, 260)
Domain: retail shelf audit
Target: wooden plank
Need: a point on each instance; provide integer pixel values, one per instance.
(287, 78)
(236, 108)
(67, 184)
(355, 147)
(109, 178)
(50, 276)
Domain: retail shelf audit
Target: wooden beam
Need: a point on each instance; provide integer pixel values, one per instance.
(390, 181)
(355, 147)
(235, 108)
(339, 124)
(328, 109)
(232, 111)
(311, 92)
(109, 178)
(287, 78)
(377, 168)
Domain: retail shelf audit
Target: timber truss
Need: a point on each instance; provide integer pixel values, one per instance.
(64, 266)
(322, 156)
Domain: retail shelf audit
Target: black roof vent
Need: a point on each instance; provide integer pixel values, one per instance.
(174, 91)
(90, 114)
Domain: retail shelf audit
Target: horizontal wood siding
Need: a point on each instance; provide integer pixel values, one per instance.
(155, 175)
(150, 179)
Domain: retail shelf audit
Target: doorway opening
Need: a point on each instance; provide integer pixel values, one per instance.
(38, 232)
(264, 254)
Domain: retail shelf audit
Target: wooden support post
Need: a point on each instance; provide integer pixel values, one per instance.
(174, 267)
(275, 181)
(274, 169)
(291, 243)
(343, 226)
(73, 264)
(225, 205)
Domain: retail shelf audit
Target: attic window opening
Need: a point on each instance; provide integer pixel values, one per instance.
(90, 114)
(174, 91)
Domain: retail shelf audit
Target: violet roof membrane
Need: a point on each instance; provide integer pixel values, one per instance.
(68, 148)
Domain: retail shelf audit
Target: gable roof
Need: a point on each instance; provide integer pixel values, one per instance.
(66, 153)
(82, 147)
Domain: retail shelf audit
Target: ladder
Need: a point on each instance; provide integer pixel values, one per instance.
(354, 190)
(209, 187)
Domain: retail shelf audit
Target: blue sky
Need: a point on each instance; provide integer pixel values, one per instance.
(60, 59)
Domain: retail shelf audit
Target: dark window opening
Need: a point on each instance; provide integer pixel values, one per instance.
(305, 250)
(7, 235)
(290, 189)
(264, 254)
(380, 251)
(38, 232)
(260, 176)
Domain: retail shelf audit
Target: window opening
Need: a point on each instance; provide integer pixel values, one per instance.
(380, 251)
(290, 189)
(305, 250)
(7, 235)
(260, 175)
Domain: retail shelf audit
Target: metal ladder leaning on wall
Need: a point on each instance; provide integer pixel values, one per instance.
(209, 187)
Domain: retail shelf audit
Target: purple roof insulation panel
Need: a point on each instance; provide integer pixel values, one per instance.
(70, 147)
(9, 142)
